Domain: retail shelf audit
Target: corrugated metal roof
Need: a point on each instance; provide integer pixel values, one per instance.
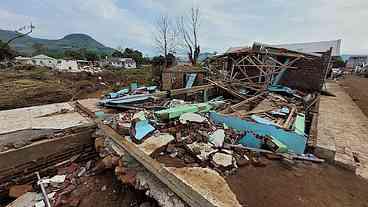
(314, 47)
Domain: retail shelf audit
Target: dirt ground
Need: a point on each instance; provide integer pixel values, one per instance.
(357, 88)
(101, 190)
(23, 86)
(304, 185)
(105, 190)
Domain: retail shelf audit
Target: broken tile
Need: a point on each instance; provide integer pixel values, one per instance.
(217, 138)
(222, 159)
(191, 117)
(204, 149)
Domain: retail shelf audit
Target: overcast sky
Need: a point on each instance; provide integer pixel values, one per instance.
(224, 23)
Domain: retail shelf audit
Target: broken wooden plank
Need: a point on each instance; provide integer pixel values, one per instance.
(288, 121)
(232, 92)
(236, 106)
(181, 91)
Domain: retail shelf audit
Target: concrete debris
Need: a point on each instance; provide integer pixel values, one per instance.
(157, 190)
(103, 188)
(222, 159)
(200, 135)
(16, 191)
(191, 117)
(58, 189)
(57, 179)
(217, 138)
(201, 150)
(25, 200)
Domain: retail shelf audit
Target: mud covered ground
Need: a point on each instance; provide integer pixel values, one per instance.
(23, 86)
(357, 88)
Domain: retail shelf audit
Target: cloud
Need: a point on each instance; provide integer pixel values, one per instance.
(102, 19)
(13, 21)
(224, 23)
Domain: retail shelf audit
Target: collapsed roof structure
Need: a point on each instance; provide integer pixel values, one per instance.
(268, 65)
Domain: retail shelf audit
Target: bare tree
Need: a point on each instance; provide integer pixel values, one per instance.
(20, 33)
(188, 27)
(165, 37)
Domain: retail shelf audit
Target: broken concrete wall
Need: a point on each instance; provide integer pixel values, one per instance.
(131, 172)
(19, 165)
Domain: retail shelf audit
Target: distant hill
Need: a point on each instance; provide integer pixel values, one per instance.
(27, 45)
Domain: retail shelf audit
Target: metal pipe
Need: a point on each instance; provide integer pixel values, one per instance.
(45, 197)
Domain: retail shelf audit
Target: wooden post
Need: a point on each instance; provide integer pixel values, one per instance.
(290, 118)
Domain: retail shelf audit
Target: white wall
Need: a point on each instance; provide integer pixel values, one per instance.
(130, 65)
(44, 62)
(68, 65)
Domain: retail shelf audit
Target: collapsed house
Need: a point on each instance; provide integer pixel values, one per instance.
(266, 65)
(180, 143)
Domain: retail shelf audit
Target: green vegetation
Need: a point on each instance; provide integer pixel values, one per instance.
(338, 62)
(131, 53)
(6, 52)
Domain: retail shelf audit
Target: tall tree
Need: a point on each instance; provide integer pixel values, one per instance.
(117, 53)
(189, 27)
(165, 37)
(92, 56)
(6, 52)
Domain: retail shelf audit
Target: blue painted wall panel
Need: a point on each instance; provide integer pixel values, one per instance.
(292, 140)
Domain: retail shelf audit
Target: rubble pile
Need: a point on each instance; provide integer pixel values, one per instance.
(58, 190)
(203, 137)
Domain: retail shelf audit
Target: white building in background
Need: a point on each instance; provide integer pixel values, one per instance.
(128, 63)
(314, 47)
(64, 65)
(23, 60)
(67, 65)
(44, 60)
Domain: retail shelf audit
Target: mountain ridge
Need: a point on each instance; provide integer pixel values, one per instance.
(27, 45)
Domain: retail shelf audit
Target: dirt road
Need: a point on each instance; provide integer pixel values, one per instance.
(357, 88)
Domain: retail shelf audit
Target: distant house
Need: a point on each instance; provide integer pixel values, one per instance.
(44, 60)
(121, 62)
(23, 60)
(69, 65)
(357, 61)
